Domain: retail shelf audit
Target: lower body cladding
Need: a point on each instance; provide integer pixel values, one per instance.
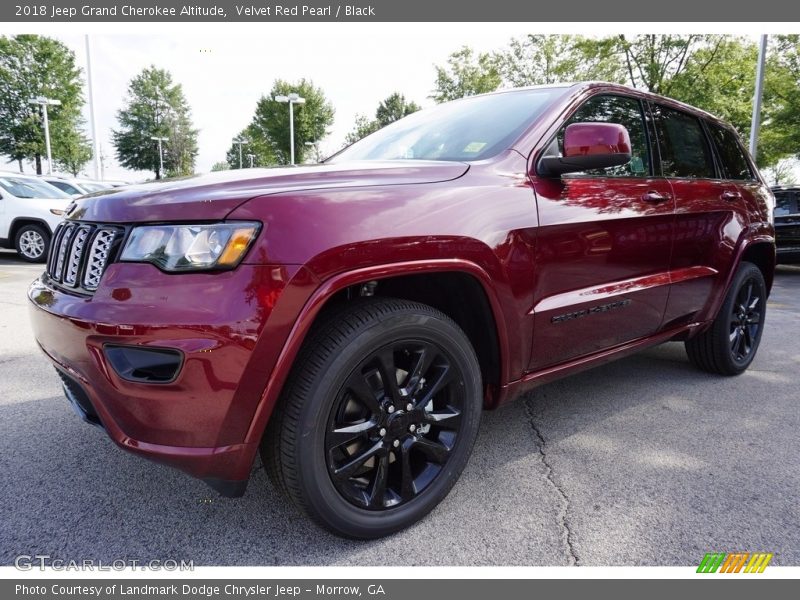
(173, 367)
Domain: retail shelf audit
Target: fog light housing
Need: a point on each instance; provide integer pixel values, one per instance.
(144, 365)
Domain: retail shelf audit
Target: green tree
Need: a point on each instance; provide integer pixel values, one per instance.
(466, 74)
(71, 151)
(545, 59)
(781, 126)
(257, 144)
(30, 66)
(220, 166)
(155, 107)
(270, 125)
(390, 109)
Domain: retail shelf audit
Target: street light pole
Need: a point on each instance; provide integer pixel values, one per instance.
(44, 103)
(160, 154)
(251, 157)
(291, 99)
(759, 92)
(98, 170)
(241, 142)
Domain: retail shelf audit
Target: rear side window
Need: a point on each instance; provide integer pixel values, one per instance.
(684, 149)
(623, 111)
(786, 203)
(729, 149)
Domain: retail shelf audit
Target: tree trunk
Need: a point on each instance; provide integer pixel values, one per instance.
(19, 160)
(38, 160)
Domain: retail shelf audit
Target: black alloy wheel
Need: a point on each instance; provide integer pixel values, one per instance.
(394, 424)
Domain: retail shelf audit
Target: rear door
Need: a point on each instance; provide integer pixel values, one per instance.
(603, 246)
(710, 213)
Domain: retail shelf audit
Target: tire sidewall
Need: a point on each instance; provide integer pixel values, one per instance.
(45, 238)
(314, 479)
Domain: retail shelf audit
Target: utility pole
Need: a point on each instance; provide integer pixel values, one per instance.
(98, 170)
(160, 155)
(755, 123)
(291, 100)
(44, 103)
(241, 142)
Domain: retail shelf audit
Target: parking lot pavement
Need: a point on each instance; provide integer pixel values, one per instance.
(641, 462)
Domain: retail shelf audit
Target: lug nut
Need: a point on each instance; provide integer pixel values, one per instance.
(409, 406)
(412, 428)
(396, 443)
(390, 410)
(382, 432)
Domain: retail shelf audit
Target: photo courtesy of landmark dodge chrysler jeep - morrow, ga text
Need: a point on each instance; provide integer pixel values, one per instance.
(351, 319)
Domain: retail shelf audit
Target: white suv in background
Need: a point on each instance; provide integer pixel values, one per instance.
(30, 209)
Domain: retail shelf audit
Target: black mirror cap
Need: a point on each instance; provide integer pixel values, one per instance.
(556, 166)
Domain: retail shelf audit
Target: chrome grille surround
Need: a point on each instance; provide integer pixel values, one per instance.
(98, 257)
(80, 253)
(75, 254)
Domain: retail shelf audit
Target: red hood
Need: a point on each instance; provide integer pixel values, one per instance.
(214, 196)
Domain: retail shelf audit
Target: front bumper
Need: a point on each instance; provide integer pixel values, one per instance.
(200, 421)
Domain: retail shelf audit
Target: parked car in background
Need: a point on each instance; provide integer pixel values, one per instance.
(68, 186)
(352, 319)
(30, 210)
(787, 223)
(77, 187)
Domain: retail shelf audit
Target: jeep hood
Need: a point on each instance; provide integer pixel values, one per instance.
(214, 196)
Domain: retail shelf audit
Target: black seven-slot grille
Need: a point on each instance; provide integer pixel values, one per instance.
(80, 253)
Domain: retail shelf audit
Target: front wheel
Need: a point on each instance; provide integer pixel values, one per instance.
(378, 419)
(31, 243)
(730, 344)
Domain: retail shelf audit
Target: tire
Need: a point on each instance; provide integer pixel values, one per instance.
(336, 410)
(730, 344)
(32, 243)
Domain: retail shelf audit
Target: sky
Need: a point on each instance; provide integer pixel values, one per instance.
(225, 68)
(223, 76)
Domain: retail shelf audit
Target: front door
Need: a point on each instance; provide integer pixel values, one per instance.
(603, 247)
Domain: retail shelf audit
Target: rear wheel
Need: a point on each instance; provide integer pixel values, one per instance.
(31, 243)
(378, 419)
(730, 344)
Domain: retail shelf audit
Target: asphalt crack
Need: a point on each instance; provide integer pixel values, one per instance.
(563, 520)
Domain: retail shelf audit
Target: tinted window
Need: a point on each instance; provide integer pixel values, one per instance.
(468, 129)
(683, 145)
(734, 163)
(623, 111)
(787, 203)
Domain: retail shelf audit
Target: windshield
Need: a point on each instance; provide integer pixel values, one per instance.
(22, 187)
(470, 129)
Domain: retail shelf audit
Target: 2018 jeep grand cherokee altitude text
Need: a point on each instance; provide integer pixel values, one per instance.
(351, 319)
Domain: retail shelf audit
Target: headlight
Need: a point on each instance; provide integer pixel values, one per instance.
(190, 247)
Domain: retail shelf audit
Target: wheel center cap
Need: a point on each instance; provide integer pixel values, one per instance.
(398, 423)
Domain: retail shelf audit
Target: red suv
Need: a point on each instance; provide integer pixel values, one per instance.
(352, 319)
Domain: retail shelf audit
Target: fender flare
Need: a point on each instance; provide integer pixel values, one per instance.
(26, 221)
(312, 307)
(744, 243)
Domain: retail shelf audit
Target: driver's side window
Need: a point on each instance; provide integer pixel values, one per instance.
(623, 111)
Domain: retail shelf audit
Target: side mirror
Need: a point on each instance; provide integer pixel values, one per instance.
(587, 146)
